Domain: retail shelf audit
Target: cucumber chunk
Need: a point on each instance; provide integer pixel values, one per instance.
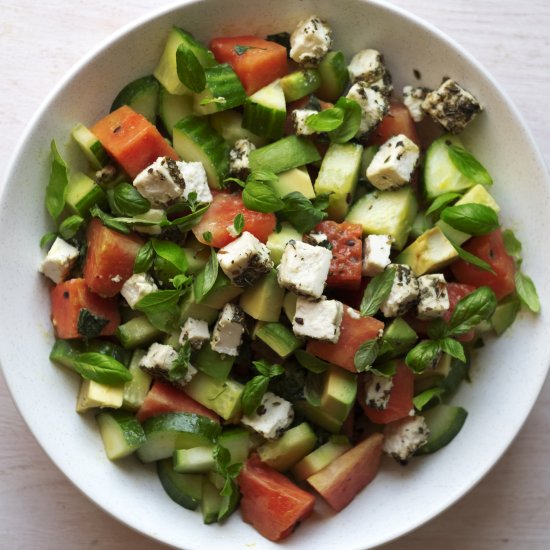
(141, 95)
(90, 146)
(278, 337)
(265, 111)
(285, 154)
(211, 502)
(444, 423)
(136, 389)
(223, 91)
(82, 193)
(172, 108)
(184, 489)
(196, 460)
(333, 71)
(214, 364)
(121, 433)
(229, 124)
(137, 332)
(300, 83)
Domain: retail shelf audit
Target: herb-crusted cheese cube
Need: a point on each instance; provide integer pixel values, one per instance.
(451, 106)
(310, 41)
(394, 163)
(272, 417)
(158, 361)
(304, 269)
(374, 106)
(195, 331)
(136, 287)
(403, 293)
(160, 183)
(228, 330)
(376, 254)
(195, 181)
(299, 118)
(377, 391)
(383, 84)
(245, 259)
(59, 260)
(320, 320)
(403, 437)
(317, 238)
(239, 158)
(433, 296)
(413, 98)
(367, 66)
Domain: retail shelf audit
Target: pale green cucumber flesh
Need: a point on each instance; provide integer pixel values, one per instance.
(211, 502)
(121, 433)
(82, 193)
(212, 363)
(300, 83)
(184, 489)
(229, 124)
(333, 71)
(172, 108)
(196, 460)
(137, 332)
(142, 96)
(137, 388)
(265, 111)
(90, 146)
(223, 91)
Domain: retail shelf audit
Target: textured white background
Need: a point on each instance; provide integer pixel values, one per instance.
(40, 509)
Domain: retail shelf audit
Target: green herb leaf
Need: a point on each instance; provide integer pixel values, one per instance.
(527, 292)
(424, 355)
(387, 369)
(59, 178)
(512, 244)
(101, 368)
(261, 197)
(471, 310)
(180, 366)
(48, 239)
(427, 396)
(239, 50)
(181, 282)
(70, 226)
(377, 291)
(90, 325)
(268, 369)
(172, 253)
(222, 457)
(190, 71)
(326, 120)
(161, 308)
(207, 236)
(185, 223)
(238, 181)
(437, 329)
(300, 212)
(366, 355)
(144, 258)
(469, 166)
(266, 176)
(310, 362)
(238, 223)
(313, 389)
(127, 201)
(441, 202)
(471, 258)
(210, 273)
(351, 122)
(253, 393)
(474, 219)
(109, 221)
(453, 348)
(321, 201)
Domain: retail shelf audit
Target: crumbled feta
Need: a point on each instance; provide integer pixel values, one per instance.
(394, 163)
(366, 66)
(403, 293)
(239, 158)
(299, 117)
(413, 98)
(384, 84)
(376, 254)
(377, 391)
(272, 417)
(59, 260)
(136, 287)
(160, 183)
(374, 105)
(304, 268)
(156, 215)
(433, 296)
(317, 238)
(158, 361)
(320, 320)
(228, 330)
(195, 181)
(451, 106)
(245, 259)
(195, 331)
(310, 41)
(403, 437)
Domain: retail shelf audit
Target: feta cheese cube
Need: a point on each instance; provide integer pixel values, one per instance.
(320, 320)
(377, 391)
(304, 269)
(228, 330)
(310, 41)
(59, 260)
(403, 437)
(136, 287)
(195, 181)
(394, 163)
(403, 293)
(239, 158)
(195, 331)
(383, 84)
(158, 361)
(245, 259)
(376, 254)
(272, 417)
(433, 296)
(160, 183)
(366, 66)
(316, 238)
(451, 106)
(413, 98)
(374, 105)
(299, 117)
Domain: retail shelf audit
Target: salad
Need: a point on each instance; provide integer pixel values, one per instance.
(275, 271)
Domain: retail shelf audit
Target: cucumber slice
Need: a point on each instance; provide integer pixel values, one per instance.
(184, 489)
(229, 124)
(172, 108)
(197, 311)
(141, 95)
(136, 389)
(64, 352)
(212, 363)
(211, 502)
(196, 460)
(121, 433)
(238, 442)
(137, 332)
(285, 154)
(170, 431)
(223, 91)
(444, 423)
(300, 83)
(90, 146)
(333, 71)
(318, 459)
(82, 193)
(166, 71)
(505, 314)
(196, 140)
(265, 111)
(278, 337)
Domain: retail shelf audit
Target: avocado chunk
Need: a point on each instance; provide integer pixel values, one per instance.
(397, 340)
(212, 363)
(222, 291)
(189, 308)
(93, 394)
(277, 241)
(338, 176)
(296, 179)
(318, 416)
(264, 300)
(289, 305)
(339, 392)
(278, 337)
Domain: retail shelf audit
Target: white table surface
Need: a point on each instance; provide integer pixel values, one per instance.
(40, 509)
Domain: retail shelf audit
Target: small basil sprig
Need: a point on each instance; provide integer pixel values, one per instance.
(47, 239)
(229, 471)
(161, 308)
(471, 258)
(261, 197)
(172, 253)
(240, 50)
(144, 258)
(70, 226)
(301, 212)
(366, 355)
(59, 178)
(207, 236)
(255, 388)
(377, 291)
(351, 123)
(206, 280)
(441, 202)
(310, 362)
(90, 325)
(180, 366)
(190, 71)
(127, 201)
(238, 223)
(326, 120)
(468, 165)
(101, 368)
(474, 219)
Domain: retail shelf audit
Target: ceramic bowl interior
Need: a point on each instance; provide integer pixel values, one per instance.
(507, 374)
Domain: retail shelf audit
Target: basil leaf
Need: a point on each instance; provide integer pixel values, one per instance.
(180, 282)
(387, 369)
(59, 178)
(453, 348)
(238, 223)
(469, 166)
(270, 370)
(471, 310)
(70, 226)
(313, 388)
(90, 325)
(48, 239)
(512, 244)
(427, 396)
(310, 362)
(222, 458)
(207, 236)
(424, 355)
(351, 123)
(172, 253)
(261, 197)
(180, 366)
(474, 219)
(471, 258)
(205, 282)
(326, 120)
(442, 201)
(300, 212)
(144, 258)
(253, 393)
(109, 221)
(321, 201)
(185, 223)
(190, 71)
(101, 368)
(377, 291)
(263, 175)
(161, 308)
(128, 202)
(527, 292)
(366, 355)
(437, 329)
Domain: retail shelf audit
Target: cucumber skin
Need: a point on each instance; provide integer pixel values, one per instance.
(170, 480)
(221, 81)
(137, 89)
(334, 76)
(300, 83)
(263, 121)
(439, 438)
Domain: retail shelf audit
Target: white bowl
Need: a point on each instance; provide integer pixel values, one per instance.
(507, 374)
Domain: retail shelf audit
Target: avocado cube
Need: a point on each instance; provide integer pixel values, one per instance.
(264, 300)
(296, 179)
(318, 416)
(315, 461)
(222, 291)
(339, 392)
(277, 241)
(93, 394)
(214, 364)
